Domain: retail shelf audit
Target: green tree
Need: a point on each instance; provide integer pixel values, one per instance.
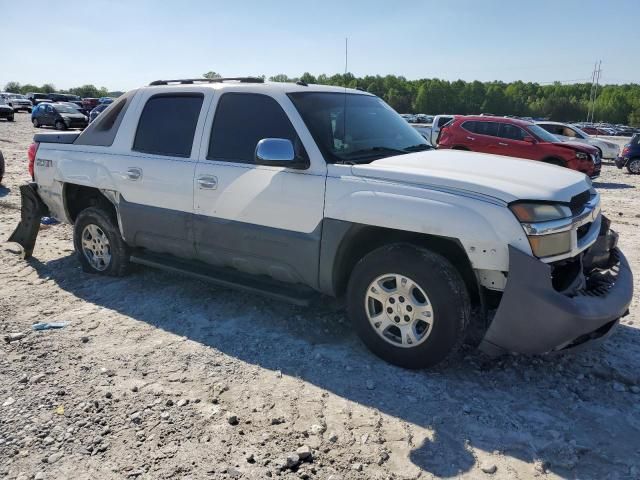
(12, 87)
(48, 88)
(212, 75)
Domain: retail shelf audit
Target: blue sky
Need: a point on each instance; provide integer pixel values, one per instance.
(122, 44)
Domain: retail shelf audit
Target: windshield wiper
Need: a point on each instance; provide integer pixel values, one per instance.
(418, 148)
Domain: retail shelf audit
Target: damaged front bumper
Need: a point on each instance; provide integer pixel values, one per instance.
(33, 209)
(539, 313)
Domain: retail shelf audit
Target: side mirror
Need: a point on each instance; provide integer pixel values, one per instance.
(529, 140)
(277, 152)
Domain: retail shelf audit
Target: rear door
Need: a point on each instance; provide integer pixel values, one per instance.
(258, 219)
(482, 137)
(154, 175)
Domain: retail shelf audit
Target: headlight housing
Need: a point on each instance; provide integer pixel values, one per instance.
(582, 156)
(533, 216)
(531, 212)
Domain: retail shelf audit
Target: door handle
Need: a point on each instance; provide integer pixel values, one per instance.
(207, 182)
(503, 144)
(470, 138)
(134, 173)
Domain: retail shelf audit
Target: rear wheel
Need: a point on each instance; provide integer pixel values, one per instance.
(10, 119)
(408, 305)
(633, 166)
(98, 243)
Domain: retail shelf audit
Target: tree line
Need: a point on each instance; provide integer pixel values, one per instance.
(84, 91)
(619, 104)
(561, 102)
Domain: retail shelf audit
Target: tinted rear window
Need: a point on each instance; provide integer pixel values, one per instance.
(482, 128)
(512, 132)
(168, 124)
(241, 121)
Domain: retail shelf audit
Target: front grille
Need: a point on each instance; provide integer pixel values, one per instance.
(583, 230)
(579, 201)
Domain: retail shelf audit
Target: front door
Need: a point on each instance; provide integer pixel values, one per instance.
(259, 219)
(511, 142)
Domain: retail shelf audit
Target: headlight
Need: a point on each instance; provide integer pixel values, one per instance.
(86, 119)
(543, 245)
(582, 156)
(539, 212)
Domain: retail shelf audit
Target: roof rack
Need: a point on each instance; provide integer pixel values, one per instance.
(190, 81)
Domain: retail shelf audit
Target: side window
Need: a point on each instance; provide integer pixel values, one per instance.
(512, 132)
(242, 120)
(168, 123)
(569, 132)
(102, 131)
(487, 128)
(470, 126)
(443, 121)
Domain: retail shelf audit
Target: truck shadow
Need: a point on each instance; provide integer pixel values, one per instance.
(560, 411)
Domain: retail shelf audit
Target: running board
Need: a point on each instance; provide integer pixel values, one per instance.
(292, 293)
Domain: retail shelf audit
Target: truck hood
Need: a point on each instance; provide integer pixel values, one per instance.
(504, 178)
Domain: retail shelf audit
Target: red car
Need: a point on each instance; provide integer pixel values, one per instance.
(518, 138)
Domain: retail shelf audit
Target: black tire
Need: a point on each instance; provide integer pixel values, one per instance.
(36, 122)
(633, 166)
(60, 125)
(1, 167)
(446, 292)
(29, 110)
(10, 119)
(119, 251)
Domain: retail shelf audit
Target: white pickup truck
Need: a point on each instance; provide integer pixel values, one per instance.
(293, 189)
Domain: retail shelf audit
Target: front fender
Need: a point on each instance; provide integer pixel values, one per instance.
(484, 228)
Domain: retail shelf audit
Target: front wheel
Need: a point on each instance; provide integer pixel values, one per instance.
(409, 305)
(98, 243)
(633, 166)
(60, 125)
(36, 123)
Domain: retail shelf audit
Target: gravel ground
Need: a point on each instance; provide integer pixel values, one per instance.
(156, 376)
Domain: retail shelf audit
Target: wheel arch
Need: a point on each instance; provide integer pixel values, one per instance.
(79, 197)
(348, 243)
(554, 161)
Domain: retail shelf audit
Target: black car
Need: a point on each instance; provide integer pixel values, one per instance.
(97, 111)
(37, 98)
(6, 112)
(630, 155)
(59, 116)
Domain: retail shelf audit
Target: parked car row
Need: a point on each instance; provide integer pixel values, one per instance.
(417, 118)
(608, 129)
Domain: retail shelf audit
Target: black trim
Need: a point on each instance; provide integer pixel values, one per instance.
(226, 277)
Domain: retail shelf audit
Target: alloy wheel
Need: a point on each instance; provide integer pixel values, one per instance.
(96, 247)
(399, 310)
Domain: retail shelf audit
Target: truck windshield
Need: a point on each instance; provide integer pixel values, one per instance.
(356, 128)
